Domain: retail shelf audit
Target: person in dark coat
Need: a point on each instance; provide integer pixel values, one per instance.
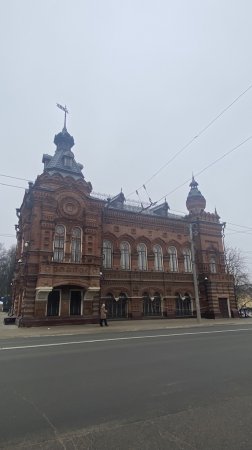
(103, 315)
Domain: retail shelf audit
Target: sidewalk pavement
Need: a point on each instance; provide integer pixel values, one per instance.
(12, 331)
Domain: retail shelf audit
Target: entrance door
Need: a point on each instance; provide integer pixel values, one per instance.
(223, 306)
(53, 303)
(75, 303)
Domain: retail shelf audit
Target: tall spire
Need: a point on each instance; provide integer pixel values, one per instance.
(64, 108)
(63, 161)
(193, 183)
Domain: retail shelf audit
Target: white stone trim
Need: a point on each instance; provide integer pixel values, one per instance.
(42, 293)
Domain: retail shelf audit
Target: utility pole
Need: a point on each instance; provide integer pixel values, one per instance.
(195, 278)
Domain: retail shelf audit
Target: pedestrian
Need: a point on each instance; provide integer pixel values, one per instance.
(103, 315)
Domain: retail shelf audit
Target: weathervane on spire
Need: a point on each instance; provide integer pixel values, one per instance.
(64, 108)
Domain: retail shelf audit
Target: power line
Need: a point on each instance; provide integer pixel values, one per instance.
(14, 178)
(239, 232)
(241, 226)
(193, 139)
(12, 185)
(208, 167)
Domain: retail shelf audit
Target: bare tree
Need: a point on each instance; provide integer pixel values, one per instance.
(237, 267)
(7, 264)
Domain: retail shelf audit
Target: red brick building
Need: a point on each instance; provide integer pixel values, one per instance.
(75, 251)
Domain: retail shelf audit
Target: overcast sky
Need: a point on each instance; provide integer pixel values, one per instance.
(140, 78)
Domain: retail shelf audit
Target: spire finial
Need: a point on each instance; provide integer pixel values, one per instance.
(64, 108)
(193, 184)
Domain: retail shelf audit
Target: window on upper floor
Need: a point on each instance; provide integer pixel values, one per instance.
(125, 255)
(187, 260)
(142, 257)
(158, 257)
(68, 162)
(59, 243)
(76, 245)
(173, 259)
(107, 254)
(212, 264)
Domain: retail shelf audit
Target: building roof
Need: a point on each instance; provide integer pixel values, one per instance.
(63, 160)
(119, 203)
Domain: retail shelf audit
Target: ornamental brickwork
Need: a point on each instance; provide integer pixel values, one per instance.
(76, 251)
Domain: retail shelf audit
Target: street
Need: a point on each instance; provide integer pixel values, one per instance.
(160, 389)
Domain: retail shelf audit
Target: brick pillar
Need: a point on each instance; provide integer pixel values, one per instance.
(170, 308)
(136, 308)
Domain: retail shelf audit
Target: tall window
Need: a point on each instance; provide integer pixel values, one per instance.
(183, 305)
(187, 260)
(76, 245)
(107, 254)
(173, 259)
(117, 307)
(158, 257)
(152, 305)
(59, 243)
(142, 256)
(212, 264)
(125, 255)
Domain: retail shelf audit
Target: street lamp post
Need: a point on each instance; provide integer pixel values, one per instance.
(195, 278)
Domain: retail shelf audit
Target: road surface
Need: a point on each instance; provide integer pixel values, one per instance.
(160, 389)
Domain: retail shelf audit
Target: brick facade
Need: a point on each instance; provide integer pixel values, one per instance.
(75, 251)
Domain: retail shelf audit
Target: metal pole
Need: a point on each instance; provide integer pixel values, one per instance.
(195, 278)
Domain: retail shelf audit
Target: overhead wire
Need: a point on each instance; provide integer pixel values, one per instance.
(207, 167)
(14, 178)
(182, 149)
(12, 185)
(241, 226)
(173, 157)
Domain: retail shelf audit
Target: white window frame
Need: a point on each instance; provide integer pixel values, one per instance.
(75, 251)
(173, 259)
(125, 260)
(107, 251)
(55, 290)
(59, 250)
(212, 264)
(76, 290)
(142, 257)
(187, 260)
(158, 258)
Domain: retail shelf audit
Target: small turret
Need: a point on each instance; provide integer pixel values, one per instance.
(63, 161)
(195, 202)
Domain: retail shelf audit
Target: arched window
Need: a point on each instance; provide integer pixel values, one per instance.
(142, 256)
(76, 245)
(59, 243)
(173, 259)
(125, 255)
(187, 260)
(183, 305)
(212, 264)
(53, 303)
(107, 254)
(158, 255)
(117, 306)
(151, 305)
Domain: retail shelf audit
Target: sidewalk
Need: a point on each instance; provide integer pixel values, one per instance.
(12, 331)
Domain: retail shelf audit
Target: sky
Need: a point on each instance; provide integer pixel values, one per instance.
(142, 79)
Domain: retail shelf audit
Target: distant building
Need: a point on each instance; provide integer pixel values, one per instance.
(75, 250)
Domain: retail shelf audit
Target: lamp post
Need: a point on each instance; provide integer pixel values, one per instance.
(195, 278)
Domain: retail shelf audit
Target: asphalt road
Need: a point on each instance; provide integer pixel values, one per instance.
(164, 389)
